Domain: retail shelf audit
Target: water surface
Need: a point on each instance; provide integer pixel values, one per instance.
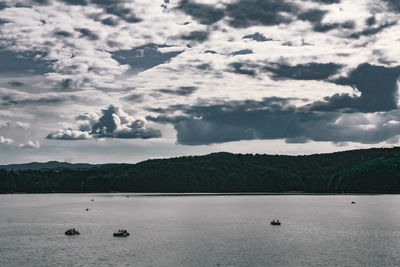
(210, 230)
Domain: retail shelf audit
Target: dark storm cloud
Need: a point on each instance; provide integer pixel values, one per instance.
(204, 66)
(67, 84)
(258, 37)
(325, 27)
(268, 103)
(327, 1)
(370, 21)
(204, 14)
(28, 62)
(343, 102)
(106, 2)
(10, 100)
(273, 118)
(112, 7)
(123, 13)
(199, 36)
(309, 71)
(115, 7)
(113, 123)
(350, 24)
(42, 2)
(312, 15)
(377, 84)
(3, 5)
(143, 57)
(339, 118)
(315, 16)
(88, 34)
(378, 87)
(241, 13)
(16, 83)
(246, 13)
(75, 2)
(393, 4)
(109, 21)
(242, 68)
(242, 52)
(133, 98)
(62, 34)
(372, 30)
(181, 91)
(21, 4)
(288, 43)
(3, 21)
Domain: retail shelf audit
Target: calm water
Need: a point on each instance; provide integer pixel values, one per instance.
(199, 230)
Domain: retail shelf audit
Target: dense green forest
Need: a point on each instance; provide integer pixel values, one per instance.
(356, 171)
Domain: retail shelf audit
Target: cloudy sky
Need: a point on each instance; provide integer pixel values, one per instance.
(126, 80)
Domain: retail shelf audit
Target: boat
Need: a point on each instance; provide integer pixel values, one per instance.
(72, 232)
(277, 222)
(121, 233)
(353, 202)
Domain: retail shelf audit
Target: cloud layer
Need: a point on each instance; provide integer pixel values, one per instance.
(198, 73)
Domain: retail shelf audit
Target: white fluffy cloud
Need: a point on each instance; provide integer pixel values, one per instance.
(113, 123)
(4, 140)
(69, 134)
(31, 144)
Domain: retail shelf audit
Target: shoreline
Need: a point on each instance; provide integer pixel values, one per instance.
(158, 194)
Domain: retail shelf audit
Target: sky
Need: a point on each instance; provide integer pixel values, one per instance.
(124, 81)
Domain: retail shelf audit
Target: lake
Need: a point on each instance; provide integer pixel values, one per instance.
(200, 230)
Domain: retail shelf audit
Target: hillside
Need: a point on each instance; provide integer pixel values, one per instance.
(47, 165)
(361, 171)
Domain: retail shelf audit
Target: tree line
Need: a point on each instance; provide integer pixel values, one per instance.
(355, 171)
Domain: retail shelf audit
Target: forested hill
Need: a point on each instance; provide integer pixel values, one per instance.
(358, 171)
(47, 165)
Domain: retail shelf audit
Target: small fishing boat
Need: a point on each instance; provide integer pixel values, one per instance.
(275, 222)
(72, 232)
(121, 233)
(353, 202)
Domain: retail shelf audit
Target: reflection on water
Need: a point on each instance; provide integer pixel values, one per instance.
(201, 230)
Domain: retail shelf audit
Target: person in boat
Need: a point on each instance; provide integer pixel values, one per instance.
(276, 222)
(72, 231)
(122, 233)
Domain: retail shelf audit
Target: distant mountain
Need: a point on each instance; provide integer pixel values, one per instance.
(47, 165)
